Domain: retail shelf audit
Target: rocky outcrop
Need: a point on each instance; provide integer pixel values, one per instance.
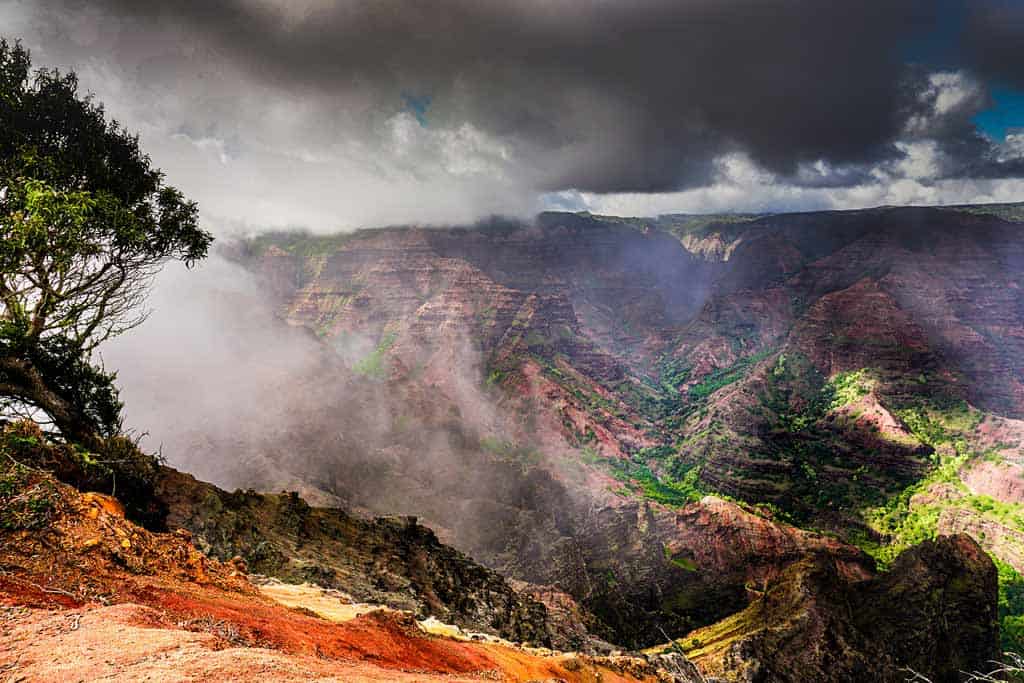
(89, 595)
(933, 613)
(386, 561)
(573, 625)
(643, 570)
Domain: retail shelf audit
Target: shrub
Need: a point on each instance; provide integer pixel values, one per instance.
(117, 467)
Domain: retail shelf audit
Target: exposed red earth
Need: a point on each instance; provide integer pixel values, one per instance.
(92, 596)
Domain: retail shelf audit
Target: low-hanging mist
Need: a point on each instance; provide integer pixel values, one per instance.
(553, 395)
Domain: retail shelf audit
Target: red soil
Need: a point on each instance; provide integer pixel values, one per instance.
(93, 596)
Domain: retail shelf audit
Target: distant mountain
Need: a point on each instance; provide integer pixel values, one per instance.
(654, 413)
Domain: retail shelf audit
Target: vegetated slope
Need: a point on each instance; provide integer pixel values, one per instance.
(153, 606)
(812, 625)
(552, 392)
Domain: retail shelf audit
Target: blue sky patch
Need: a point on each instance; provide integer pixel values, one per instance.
(418, 105)
(1006, 114)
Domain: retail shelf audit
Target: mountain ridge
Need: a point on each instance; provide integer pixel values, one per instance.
(818, 367)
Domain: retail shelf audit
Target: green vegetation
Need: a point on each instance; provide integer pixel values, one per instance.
(1008, 212)
(85, 223)
(27, 500)
(904, 525)
(115, 466)
(534, 339)
(848, 387)
(1011, 607)
(673, 492)
(726, 376)
(679, 560)
(947, 426)
(580, 389)
(672, 372)
(298, 243)
(372, 366)
(941, 422)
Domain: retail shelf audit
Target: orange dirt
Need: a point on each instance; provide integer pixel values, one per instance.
(92, 596)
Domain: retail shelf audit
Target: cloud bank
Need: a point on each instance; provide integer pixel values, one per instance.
(331, 115)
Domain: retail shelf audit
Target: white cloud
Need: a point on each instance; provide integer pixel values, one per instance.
(952, 90)
(920, 163)
(740, 186)
(208, 144)
(1012, 147)
(948, 94)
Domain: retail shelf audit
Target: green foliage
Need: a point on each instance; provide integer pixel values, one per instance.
(63, 367)
(535, 339)
(936, 423)
(115, 466)
(672, 373)
(86, 219)
(510, 451)
(26, 500)
(659, 452)
(848, 387)
(85, 223)
(668, 491)
(903, 524)
(680, 561)
(590, 455)
(1011, 607)
(373, 365)
(1013, 212)
(948, 424)
(299, 243)
(723, 377)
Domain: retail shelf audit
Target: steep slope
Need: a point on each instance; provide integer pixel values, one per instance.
(809, 624)
(88, 594)
(386, 561)
(545, 395)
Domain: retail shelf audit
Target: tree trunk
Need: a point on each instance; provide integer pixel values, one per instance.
(19, 379)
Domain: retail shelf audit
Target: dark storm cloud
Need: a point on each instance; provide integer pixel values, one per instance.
(994, 41)
(601, 96)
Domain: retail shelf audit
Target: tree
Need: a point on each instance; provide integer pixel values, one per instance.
(85, 224)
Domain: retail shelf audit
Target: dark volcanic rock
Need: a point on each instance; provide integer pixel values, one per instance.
(934, 613)
(391, 561)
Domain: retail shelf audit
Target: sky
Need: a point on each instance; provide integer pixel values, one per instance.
(331, 115)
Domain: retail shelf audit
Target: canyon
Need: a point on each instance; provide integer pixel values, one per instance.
(699, 436)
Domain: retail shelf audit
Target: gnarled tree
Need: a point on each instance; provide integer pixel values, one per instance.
(85, 224)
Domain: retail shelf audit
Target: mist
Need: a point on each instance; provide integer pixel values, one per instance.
(207, 361)
(222, 386)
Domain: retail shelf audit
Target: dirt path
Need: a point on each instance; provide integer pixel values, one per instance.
(113, 643)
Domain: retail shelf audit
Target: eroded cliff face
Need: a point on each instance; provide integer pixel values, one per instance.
(558, 398)
(385, 561)
(812, 624)
(87, 594)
